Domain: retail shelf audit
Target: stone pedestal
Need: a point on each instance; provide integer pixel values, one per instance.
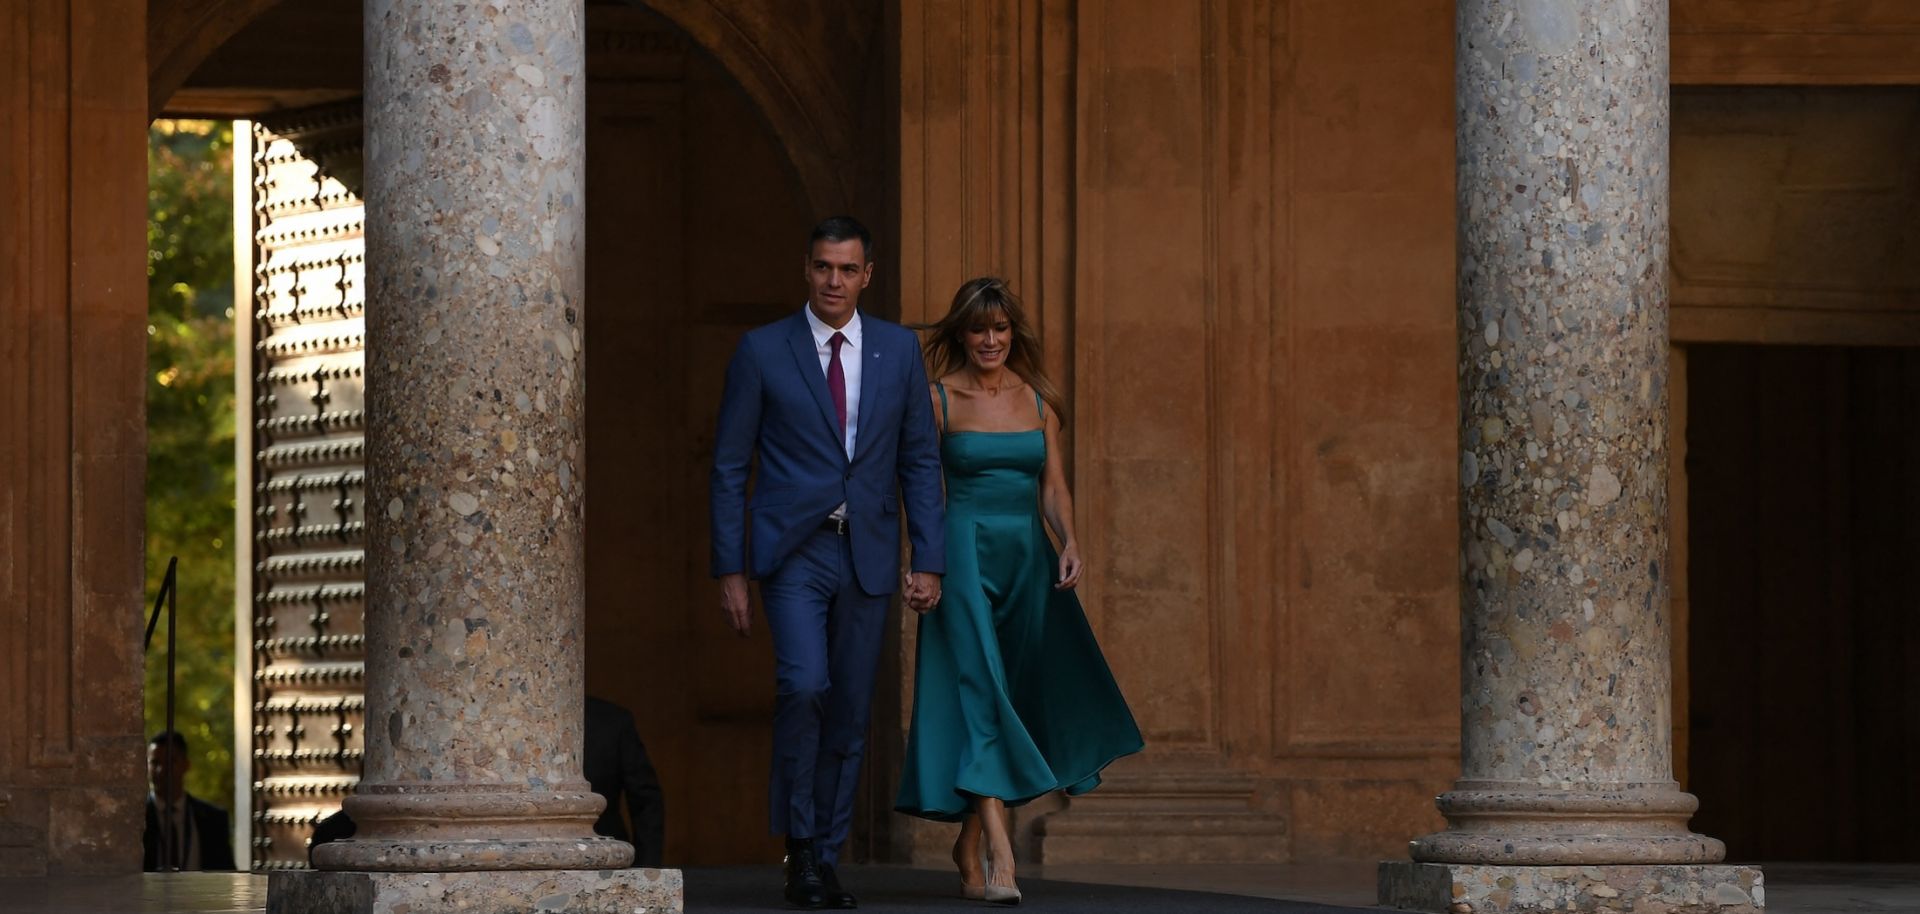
(513, 892)
(1162, 817)
(473, 797)
(1471, 888)
(1562, 135)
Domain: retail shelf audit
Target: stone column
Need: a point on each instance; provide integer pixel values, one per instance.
(472, 792)
(1567, 799)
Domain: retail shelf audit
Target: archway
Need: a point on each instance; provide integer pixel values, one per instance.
(698, 197)
(694, 234)
(805, 78)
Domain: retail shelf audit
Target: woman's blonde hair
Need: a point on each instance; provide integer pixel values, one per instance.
(973, 307)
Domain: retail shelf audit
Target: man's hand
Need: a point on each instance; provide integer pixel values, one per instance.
(923, 591)
(733, 601)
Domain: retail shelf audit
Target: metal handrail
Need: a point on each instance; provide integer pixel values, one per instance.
(169, 587)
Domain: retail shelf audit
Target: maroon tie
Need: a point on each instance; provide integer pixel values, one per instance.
(837, 383)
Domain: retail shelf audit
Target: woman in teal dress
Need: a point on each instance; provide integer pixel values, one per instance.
(1012, 698)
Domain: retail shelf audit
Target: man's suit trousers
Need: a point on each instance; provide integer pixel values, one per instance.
(826, 634)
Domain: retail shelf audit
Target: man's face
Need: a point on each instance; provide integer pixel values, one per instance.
(156, 770)
(837, 271)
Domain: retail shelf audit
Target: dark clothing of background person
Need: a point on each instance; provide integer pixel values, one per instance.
(616, 763)
(210, 835)
(336, 827)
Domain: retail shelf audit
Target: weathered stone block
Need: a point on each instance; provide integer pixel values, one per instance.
(632, 891)
(1466, 888)
(1166, 817)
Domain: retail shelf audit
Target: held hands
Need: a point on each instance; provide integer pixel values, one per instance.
(922, 591)
(733, 601)
(1070, 568)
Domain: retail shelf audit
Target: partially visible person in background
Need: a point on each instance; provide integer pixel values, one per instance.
(616, 764)
(336, 827)
(183, 831)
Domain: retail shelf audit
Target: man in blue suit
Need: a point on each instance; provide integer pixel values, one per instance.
(834, 403)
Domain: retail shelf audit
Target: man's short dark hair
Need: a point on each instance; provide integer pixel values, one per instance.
(842, 228)
(170, 737)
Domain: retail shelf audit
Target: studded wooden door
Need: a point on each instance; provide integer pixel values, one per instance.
(308, 429)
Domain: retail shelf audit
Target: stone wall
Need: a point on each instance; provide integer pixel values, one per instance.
(72, 439)
(1793, 217)
(1805, 42)
(1235, 222)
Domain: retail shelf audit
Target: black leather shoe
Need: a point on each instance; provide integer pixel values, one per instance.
(836, 896)
(804, 889)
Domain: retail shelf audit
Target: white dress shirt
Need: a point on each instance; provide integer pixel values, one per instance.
(849, 368)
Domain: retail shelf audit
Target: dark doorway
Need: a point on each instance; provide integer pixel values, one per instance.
(696, 232)
(1803, 472)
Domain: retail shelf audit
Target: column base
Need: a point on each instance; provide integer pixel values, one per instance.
(437, 828)
(590, 854)
(1495, 822)
(1478, 888)
(481, 892)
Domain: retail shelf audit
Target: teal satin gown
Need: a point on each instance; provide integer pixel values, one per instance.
(1012, 698)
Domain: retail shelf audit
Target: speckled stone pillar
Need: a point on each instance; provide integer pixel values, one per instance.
(475, 155)
(1566, 684)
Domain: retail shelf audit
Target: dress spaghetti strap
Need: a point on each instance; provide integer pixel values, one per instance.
(946, 422)
(1040, 406)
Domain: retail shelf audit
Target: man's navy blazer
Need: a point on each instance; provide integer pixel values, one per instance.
(776, 403)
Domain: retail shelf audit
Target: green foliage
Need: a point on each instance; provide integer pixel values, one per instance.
(190, 434)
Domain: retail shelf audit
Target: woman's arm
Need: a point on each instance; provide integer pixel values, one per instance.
(1056, 504)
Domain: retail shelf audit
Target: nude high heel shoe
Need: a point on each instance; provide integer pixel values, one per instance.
(969, 892)
(996, 894)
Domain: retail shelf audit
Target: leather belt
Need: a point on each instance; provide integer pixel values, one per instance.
(834, 525)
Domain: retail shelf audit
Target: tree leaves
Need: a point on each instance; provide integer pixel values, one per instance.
(190, 436)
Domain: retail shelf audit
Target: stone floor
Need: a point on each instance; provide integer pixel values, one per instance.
(1791, 889)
